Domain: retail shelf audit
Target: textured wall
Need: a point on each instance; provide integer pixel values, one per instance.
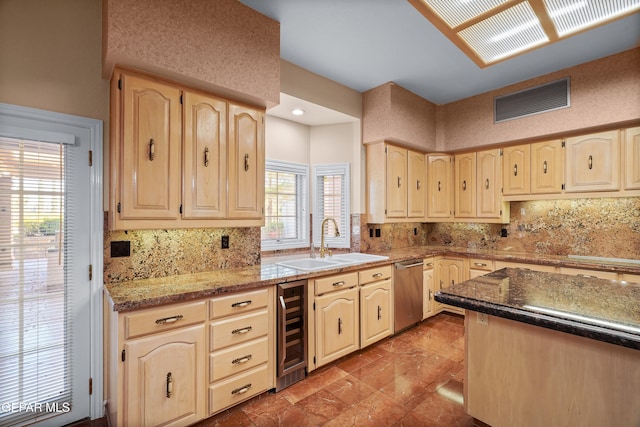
(392, 113)
(219, 45)
(392, 236)
(592, 227)
(603, 93)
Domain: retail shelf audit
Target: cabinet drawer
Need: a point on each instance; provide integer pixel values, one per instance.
(609, 275)
(427, 264)
(335, 283)
(238, 303)
(374, 274)
(239, 358)
(238, 388)
(164, 318)
(238, 329)
(480, 264)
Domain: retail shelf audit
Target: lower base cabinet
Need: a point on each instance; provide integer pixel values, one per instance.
(449, 271)
(180, 363)
(376, 305)
(337, 321)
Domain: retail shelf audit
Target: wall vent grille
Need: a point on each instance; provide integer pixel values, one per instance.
(540, 99)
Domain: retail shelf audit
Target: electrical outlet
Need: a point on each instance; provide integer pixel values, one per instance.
(371, 232)
(377, 232)
(225, 242)
(483, 318)
(415, 231)
(504, 232)
(120, 249)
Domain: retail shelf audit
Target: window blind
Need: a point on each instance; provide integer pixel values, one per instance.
(35, 211)
(332, 200)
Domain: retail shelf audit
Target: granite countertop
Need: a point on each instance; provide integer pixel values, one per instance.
(143, 293)
(604, 310)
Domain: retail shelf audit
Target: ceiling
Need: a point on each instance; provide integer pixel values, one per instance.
(363, 44)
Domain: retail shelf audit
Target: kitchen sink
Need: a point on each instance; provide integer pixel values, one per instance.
(310, 264)
(313, 264)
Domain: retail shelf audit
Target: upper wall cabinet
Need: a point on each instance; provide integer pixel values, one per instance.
(395, 184)
(546, 167)
(632, 159)
(465, 185)
(516, 174)
(181, 158)
(593, 162)
(439, 187)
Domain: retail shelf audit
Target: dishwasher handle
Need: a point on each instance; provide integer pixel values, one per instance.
(408, 264)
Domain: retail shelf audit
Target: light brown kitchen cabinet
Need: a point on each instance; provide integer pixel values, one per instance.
(608, 275)
(376, 305)
(395, 184)
(592, 162)
(205, 156)
(246, 162)
(465, 185)
(181, 158)
(632, 158)
(439, 186)
(241, 342)
(633, 278)
(479, 267)
(416, 188)
(535, 267)
(428, 288)
(156, 365)
(516, 174)
(337, 320)
(449, 271)
(148, 156)
(489, 186)
(546, 167)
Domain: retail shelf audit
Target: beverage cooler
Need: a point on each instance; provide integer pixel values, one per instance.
(292, 334)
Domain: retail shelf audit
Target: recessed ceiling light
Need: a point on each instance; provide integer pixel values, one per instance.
(490, 31)
(297, 111)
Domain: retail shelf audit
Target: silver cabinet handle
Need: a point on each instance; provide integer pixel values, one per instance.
(340, 283)
(241, 360)
(375, 276)
(171, 319)
(242, 390)
(480, 264)
(241, 304)
(169, 385)
(242, 330)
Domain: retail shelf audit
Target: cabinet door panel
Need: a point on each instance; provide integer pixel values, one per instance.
(246, 162)
(337, 325)
(151, 141)
(632, 159)
(465, 181)
(489, 184)
(377, 317)
(205, 156)
(428, 304)
(592, 162)
(416, 177)
(440, 192)
(546, 167)
(396, 182)
(165, 378)
(516, 175)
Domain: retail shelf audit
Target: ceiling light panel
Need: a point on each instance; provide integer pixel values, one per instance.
(570, 16)
(456, 12)
(505, 34)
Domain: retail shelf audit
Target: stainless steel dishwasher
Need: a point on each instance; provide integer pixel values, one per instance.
(407, 289)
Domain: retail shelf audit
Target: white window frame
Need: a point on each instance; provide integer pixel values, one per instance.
(302, 214)
(344, 223)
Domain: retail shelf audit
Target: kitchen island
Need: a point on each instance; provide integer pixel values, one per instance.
(550, 349)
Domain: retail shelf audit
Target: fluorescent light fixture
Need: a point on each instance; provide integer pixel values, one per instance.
(583, 319)
(490, 31)
(297, 111)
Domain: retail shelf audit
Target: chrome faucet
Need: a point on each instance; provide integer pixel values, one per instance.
(323, 250)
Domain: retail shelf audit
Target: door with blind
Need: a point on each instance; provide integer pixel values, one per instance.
(45, 292)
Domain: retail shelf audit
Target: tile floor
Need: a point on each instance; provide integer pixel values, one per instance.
(412, 379)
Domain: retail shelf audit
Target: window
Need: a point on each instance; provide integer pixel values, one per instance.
(331, 190)
(286, 211)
